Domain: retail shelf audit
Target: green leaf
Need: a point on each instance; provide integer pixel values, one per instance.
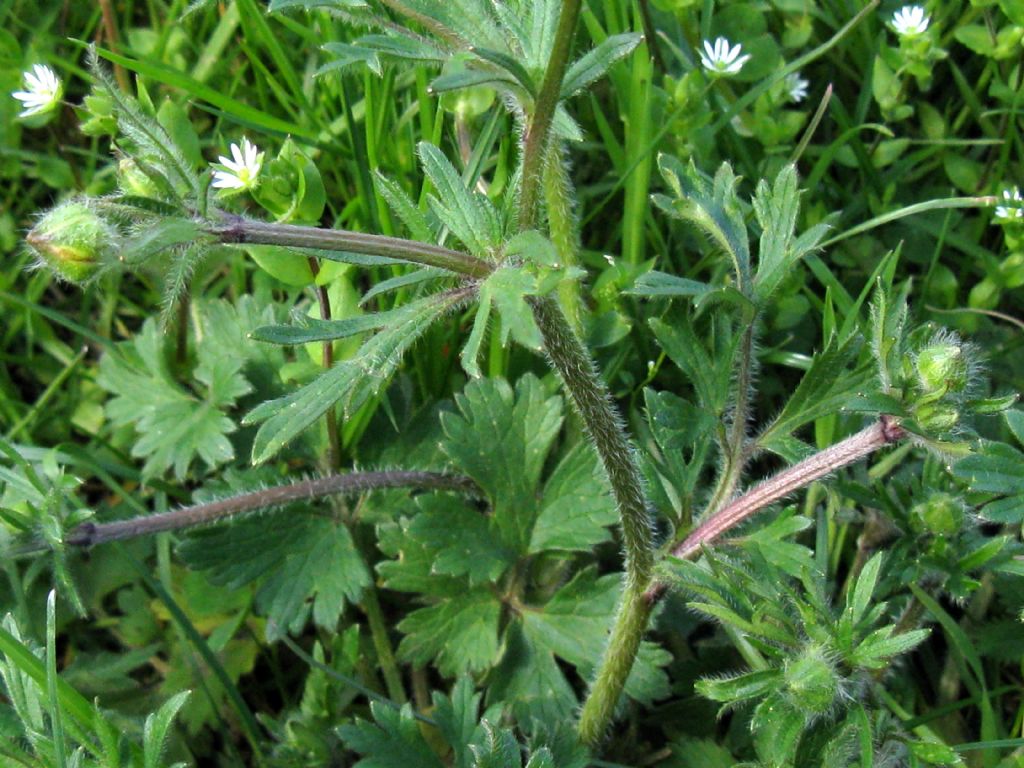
(655, 283)
(826, 388)
(459, 634)
(516, 71)
(577, 506)
(163, 234)
(501, 440)
(874, 651)
(776, 208)
(470, 216)
(776, 728)
(308, 564)
(174, 425)
(463, 540)
(594, 63)
(405, 209)
(393, 739)
(714, 208)
(859, 599)
(456, 718)
(350, 382)
(710, 378)
(995, 468)
(315, 329)
(508, 287)
(470, 353)
(500, 750)
(750, 685)
(154, 735)
(530, 682)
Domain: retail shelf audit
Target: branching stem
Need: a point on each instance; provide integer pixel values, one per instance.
(880, 434)
(90, 534)
(236, 229)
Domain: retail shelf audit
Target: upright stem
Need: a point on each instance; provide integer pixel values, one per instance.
(538, 132)
(591, 398)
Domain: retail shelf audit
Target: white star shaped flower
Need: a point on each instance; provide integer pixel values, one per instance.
(796, 87)
(42, 93)
(721, 58)
(910, 21)
(241, 170)
(1012, 207)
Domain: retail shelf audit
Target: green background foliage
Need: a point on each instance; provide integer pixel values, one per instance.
(757, 277)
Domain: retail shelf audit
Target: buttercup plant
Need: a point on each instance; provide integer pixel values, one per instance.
(496, 510)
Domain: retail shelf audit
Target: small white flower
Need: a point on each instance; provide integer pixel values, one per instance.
(910, 21)
(241, 169)
(43, 91)
(796, 87)
(721, 58)
(1013, 205)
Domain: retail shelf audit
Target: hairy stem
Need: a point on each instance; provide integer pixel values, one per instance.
(562, 228)
(880, 434)
(735, 448)
(591, 398)
(90, 534)
(235, 229)
(539, 130)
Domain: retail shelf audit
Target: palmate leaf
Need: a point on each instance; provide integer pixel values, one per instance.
(395, 740)
(577, 506)
(309, 566)
(459, 634)
(350, 382)
(501, 440)
(174, 425)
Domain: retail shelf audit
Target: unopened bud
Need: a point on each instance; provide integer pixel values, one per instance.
(937, 417)
(72, 240)
(812, 681)
(942, 367)
(941, 515)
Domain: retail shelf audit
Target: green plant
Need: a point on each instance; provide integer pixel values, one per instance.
(483, 545)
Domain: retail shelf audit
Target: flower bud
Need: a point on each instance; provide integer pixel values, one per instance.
(812, 682)
(942, 367)
(937, 417)
(941, 515)
(72, 240)
(133, 181)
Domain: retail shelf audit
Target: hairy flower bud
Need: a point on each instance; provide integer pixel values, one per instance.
(940, 515)
(942, 367)
(72, 240)
(812, 682)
